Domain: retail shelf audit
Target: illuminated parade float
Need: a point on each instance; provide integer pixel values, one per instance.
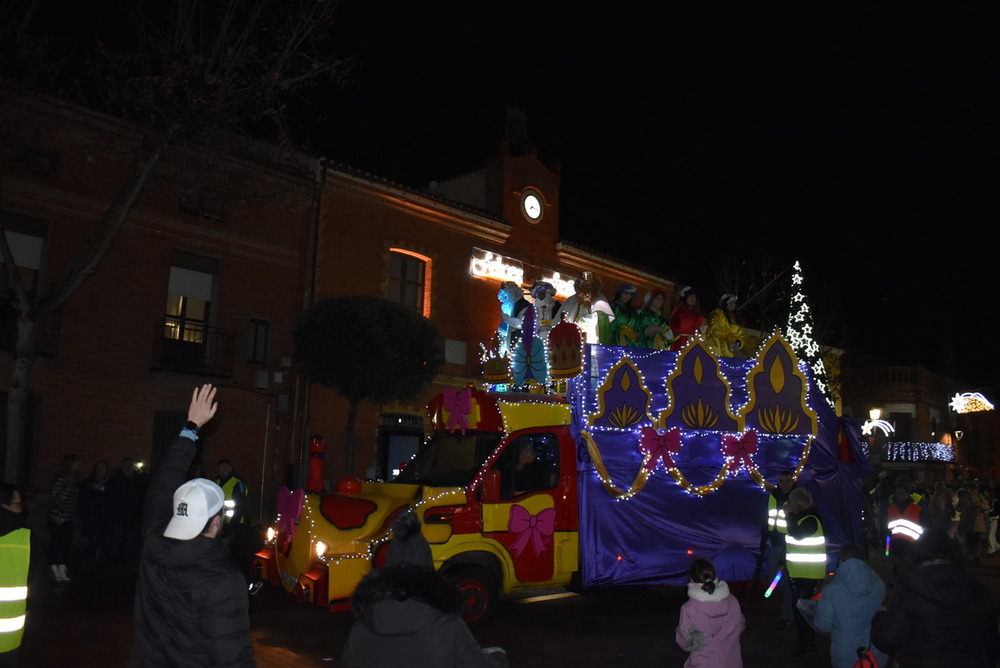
(617, 466)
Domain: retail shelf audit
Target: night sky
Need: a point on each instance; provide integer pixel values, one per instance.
(863, 145)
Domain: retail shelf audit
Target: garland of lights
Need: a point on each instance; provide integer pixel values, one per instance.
(730, 465)
(370, 548)
(800, 335)
(914, 452)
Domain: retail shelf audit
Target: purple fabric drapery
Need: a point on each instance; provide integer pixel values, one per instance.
(652, 537)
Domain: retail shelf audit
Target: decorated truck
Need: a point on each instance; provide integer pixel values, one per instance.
(648, 459)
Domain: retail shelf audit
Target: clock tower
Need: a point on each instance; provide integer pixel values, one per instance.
(524, 191)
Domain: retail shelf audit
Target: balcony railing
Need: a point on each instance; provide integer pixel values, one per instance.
(184, 347)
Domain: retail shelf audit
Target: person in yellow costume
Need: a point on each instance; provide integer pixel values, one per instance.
(725, 329)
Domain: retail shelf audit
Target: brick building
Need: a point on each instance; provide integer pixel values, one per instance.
(206, 279)
(917, 403)
(203, 283)
(454, 243)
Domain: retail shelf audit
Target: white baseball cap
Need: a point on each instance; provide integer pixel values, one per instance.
(195, 502)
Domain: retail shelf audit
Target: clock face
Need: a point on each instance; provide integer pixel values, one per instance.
(531, 204)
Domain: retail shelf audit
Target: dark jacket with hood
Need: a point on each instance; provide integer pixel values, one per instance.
(410, 615)
(191, 603)
(938, 615)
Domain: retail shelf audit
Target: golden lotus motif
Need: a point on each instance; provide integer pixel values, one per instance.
(624, 416)
(699, 415)
(778, 420)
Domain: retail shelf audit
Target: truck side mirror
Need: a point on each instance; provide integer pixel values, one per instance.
(490, 491)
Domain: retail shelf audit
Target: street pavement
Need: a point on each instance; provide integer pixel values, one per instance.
(88, 622)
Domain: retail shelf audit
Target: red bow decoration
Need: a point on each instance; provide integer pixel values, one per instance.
(739, 449)
(659, 447)
(530, 527)
(458, 404)
(289, 509)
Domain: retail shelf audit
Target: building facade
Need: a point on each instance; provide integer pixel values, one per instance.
(203, 283)
(445, 251)
(210, 271)
(928, 439)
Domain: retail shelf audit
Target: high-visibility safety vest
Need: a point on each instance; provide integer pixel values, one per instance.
(775, 516)
(904, 525)
(806, 557)
(15, 556)
(230, 504)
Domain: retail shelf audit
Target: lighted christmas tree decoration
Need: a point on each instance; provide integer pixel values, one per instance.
(800, 334)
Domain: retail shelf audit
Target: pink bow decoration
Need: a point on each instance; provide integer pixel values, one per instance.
(739, 449)
(458, 405)
(530, 527)
(659, 447)
(289, 509)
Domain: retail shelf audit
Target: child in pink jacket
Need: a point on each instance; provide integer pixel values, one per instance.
(711, 621)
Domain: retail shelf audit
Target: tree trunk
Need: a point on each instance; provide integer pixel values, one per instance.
(76, 273)
(17, 398)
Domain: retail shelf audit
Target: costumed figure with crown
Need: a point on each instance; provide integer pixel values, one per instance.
(589, 310)
(725, 329)
(686, 319)
(544, 309)
(625, 327)
(654, 326)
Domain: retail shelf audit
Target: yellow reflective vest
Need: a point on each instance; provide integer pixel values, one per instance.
(775, 516)
(15, 553)
(228, 488)
(805, 557)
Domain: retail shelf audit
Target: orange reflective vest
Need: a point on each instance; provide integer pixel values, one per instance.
(904, 525)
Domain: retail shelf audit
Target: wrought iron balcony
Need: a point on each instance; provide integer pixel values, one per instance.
(183, 346)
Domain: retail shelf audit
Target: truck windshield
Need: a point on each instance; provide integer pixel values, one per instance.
(449, 460)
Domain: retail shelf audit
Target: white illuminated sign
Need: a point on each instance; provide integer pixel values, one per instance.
(564, 286)
(970, 402)
(487, 264)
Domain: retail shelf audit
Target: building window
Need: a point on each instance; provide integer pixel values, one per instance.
(188, 302)
(257, 337)
(26, 239)
(187, 342)
(410, 280)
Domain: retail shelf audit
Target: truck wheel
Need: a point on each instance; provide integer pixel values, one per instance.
(480, 593)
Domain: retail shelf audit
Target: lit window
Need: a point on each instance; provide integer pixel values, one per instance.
(409, 280)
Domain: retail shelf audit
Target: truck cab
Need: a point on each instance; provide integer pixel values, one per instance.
(495, 490)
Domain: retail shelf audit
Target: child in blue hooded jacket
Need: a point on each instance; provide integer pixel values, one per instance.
(847, 606)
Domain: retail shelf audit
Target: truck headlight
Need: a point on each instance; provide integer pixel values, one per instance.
(270, 534)
(320, 548)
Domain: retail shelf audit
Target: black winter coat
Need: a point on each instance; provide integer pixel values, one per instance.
(191, 603)
(408, 616)
(938, 615)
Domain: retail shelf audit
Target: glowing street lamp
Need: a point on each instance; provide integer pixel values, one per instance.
(874, 422)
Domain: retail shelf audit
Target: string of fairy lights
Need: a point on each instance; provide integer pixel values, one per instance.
(800, 335)
(590, 404)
